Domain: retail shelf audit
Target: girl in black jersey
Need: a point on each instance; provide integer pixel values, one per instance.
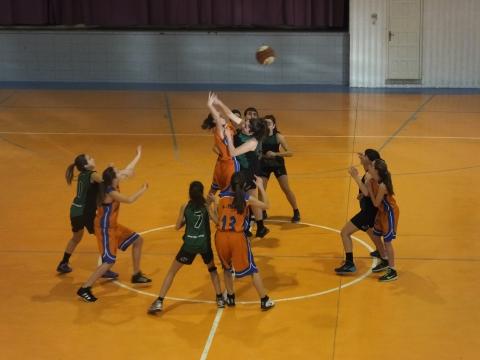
(273, 161)
(82, 210)
(364, 220)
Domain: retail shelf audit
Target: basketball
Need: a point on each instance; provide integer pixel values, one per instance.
(265, 55)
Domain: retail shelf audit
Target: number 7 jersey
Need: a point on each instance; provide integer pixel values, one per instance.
(228, 217)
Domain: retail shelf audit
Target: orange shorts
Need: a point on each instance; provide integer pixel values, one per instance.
(109, 239)
(222, 174)
(233, 249)
(386, 223)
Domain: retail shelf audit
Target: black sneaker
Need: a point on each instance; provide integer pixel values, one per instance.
(220, 301)
(346, 268)
(63, 268)
(110, 275)
(266, 304)
(86, 294)
(262, 232)
(382, 265)
(156, 307)
(375, 254)
(264, 214)
(230, 300)
(296, 216)
(390, 275)
(139, 278)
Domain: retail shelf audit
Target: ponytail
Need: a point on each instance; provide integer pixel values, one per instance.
(80, 163)
(69, 173)
(208, 123)
(384, 175)
(196, 195)
(238, 183)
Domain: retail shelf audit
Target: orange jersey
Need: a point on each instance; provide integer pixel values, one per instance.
(228, 217)
(111, 235)
(221, 144)
(388, 213)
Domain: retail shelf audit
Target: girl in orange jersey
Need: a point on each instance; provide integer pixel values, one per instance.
(233, 247)
(109, 233)
(381, 192)
(226, 164)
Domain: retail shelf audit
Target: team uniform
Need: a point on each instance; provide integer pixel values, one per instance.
(365, 219)
(226, 164)
(111, 235)
(249, 161)
(269, 165)
(233, 247)
(197, 239)
(387, 216)
(83, 208)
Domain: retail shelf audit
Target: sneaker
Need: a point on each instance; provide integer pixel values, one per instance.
(264, 214)
(230, 300)
(375, 254)
(86, 294)
(63, 268)
(110, 275)
(156, 307)
(382, 265)
(390, 275)
(220, 301)
(139, 278)
(346, 268)
(266, 305)
(296, 216)
(262, 232)
(248, 233)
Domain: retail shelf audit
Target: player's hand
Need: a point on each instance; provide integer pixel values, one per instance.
(353, 171)
(270, 154)
(258, 181)
(139, 150)
(145, 186)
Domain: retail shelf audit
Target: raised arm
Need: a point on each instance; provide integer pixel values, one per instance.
(128, 171)
(219, 120)
(115, 195)
(226, 110)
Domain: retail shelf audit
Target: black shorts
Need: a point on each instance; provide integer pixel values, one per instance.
(186, 258)
(83, 221)
(364, 220)
(278, 171)
(249, 179)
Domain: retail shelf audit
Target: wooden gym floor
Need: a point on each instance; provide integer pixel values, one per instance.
(431, 142)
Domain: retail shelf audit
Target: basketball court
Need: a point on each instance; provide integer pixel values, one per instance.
(430, 140)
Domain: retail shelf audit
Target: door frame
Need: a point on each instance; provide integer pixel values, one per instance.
(420, 50)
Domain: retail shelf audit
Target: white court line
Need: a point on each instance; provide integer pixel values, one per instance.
(219, 313)
(208, 135)
(293, 298)
(211, 335)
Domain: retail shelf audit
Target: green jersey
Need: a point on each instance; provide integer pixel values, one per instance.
(197, 229)
(238, 140)
(85, 199)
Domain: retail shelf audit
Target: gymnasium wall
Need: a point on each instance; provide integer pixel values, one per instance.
(450, 44)
(171, 57)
